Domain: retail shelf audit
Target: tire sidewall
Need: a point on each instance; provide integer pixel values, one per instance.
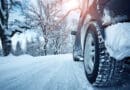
(92, 77)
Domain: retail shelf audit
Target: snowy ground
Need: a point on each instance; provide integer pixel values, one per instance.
(45, 73)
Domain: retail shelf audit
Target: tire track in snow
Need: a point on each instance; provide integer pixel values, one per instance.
(46, 73)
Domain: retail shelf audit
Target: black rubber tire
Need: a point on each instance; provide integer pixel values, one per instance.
(75, 58)
(107, 71)
(74, 54)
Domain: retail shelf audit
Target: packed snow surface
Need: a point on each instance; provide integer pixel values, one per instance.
(58, 72)
(118, 40)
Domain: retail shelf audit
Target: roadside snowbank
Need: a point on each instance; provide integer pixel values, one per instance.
(26, 58)
(118, 40)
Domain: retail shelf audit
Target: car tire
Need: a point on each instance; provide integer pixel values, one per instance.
(75, 55)
(100, 68)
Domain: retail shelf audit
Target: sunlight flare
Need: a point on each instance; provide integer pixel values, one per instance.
(71, 4)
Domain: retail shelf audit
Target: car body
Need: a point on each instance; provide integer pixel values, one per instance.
(99, 24)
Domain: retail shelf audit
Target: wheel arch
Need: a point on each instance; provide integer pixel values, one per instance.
(92, 24)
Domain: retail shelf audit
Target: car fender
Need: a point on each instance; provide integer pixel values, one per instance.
(84, 29)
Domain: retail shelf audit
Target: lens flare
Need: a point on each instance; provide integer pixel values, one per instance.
(71, 4)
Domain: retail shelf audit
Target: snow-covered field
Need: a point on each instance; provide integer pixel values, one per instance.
(45, 73)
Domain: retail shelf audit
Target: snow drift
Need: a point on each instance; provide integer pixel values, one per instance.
(117, 40)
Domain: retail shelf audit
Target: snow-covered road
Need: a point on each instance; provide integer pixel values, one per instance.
(45, 73)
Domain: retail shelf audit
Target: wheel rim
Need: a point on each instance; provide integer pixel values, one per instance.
(89, 55)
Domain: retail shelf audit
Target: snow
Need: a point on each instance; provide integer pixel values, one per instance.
(58, 72)
(118, 40)
(16, 14)
(106, 19)
(40, 73)
(23, 38)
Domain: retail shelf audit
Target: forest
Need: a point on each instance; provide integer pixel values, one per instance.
(39, 27)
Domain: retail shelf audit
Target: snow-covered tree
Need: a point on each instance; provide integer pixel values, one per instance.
(4, 36)
(45, 15)
(49, 17)
(45, 18)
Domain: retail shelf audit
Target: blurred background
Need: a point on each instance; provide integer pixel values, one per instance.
(42, 27)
